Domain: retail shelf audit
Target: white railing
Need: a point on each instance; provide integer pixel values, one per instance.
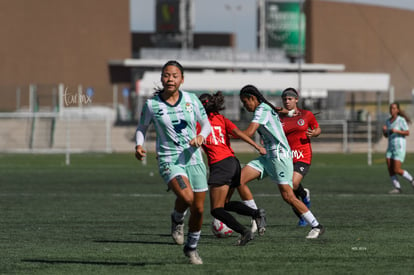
(72, 131)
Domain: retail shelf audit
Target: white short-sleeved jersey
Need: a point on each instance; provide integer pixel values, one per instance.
(396, 142)
(175, 126)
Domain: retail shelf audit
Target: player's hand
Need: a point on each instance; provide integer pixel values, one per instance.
(140, 152)
(286, 112)
(385, 131)
(313, 132)
(309, 133)
(262, 150)
(197, 141)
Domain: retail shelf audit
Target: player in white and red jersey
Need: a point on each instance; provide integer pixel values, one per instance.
(299, 129)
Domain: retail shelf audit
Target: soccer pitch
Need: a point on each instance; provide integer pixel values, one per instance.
(110, 214)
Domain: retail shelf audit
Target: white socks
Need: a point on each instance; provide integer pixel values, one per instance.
(395, 182)
(251, 204)
(407, 176)
(179, 217)
(192, 239)
(310, 219)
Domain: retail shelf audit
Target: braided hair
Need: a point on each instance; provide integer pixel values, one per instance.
(212, 103)
(250, 90)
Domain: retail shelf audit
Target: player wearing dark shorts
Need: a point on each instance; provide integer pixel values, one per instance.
(301, 167)
(225, 169)
(299, 130)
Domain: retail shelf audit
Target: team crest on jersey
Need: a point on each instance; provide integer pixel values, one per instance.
(189, 107)
(301, 122)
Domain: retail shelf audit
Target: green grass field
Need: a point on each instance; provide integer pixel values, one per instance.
(109, 214)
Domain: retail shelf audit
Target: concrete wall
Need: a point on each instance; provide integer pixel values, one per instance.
(365, 38)
(52, 41)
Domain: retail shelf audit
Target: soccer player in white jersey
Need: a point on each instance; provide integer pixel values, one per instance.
(277, 163)
(396, 129)
(175, 114)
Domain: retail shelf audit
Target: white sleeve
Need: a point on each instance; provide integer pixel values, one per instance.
(205, 128)
(202, 118)
(144, 122)
(140, 134)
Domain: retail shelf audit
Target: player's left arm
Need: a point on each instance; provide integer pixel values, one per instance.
(400, 132)
(204, 125)
(313, 130)
(238, 133)
(401, 129)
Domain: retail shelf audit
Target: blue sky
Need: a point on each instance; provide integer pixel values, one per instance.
(237, 16)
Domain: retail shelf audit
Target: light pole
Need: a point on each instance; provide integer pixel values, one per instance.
(300, 48)
(233, 9)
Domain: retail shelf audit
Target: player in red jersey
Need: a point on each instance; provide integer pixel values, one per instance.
(299, 129)
(225, 169)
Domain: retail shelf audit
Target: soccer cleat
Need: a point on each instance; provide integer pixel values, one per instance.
(245, 238)
(192, 255)
(177, 231)
(260, 220)
(254, 226)
(316, 232)
(302, 223)
(395, 191)
(306, 200)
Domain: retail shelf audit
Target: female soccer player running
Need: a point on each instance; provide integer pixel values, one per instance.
(299, 130)
(225, 169)
(277, 163)
(396, 129)
(175, 114)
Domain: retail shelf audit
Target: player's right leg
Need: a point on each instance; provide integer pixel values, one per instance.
(252, 171)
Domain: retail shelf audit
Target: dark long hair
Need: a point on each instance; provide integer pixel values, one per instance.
(401, 112)
(250, 90)
(213, 103)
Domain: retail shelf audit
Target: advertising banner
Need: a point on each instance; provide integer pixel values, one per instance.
(285, 26)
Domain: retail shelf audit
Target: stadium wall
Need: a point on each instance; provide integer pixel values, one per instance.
(58, 41)
(365, 38)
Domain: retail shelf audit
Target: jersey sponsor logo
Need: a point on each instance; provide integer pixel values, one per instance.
(301, 122)
(179, 125)
(160, 112)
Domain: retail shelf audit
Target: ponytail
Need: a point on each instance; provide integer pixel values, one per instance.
(213, 103)
(250, 90)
